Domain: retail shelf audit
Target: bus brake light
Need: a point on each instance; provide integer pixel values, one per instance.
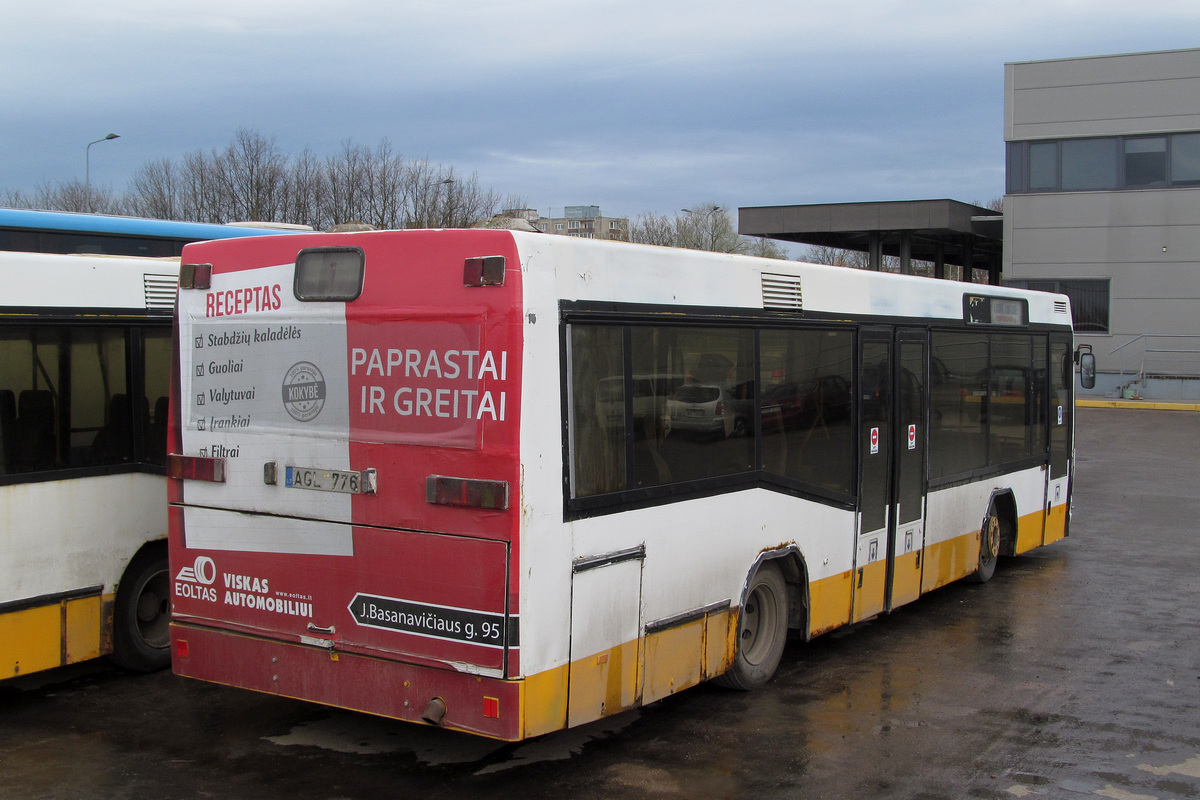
(466, 492)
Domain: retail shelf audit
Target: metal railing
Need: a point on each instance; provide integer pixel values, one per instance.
(1136, 362)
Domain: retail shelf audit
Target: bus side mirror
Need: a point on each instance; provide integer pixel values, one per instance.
(1087, 366)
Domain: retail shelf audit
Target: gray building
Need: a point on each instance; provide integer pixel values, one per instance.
(1103, 203)
(585, 222)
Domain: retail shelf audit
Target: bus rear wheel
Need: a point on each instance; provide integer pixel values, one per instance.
(142, 613)
(761, 631)
(989, 548)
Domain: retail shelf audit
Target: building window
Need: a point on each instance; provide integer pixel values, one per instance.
(1089, 299)
(1185, 158)
(558, 226)
(1043, 166)
(1106, 163)
(573, 224)
(1089, 164)
(1146, 161)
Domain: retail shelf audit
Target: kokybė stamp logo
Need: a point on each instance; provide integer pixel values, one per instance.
(304, 391)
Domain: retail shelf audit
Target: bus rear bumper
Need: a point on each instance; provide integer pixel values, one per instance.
(486, 706)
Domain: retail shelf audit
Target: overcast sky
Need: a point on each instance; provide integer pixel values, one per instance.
(632, 105)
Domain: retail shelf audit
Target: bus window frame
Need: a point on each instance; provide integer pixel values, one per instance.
(133, 333)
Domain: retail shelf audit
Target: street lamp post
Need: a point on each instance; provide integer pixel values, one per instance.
(87, 174)
(708, 213)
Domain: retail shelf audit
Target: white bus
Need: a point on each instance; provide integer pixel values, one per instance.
(85, 365)
(509, 483)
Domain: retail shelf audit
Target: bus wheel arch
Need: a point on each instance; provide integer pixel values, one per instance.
(142, 611)
(1005, 505)
(997, 535)
(769, 604)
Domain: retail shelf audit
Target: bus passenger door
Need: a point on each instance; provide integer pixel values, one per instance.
(906, 536)
(875, 447)
(1062, 378)
(891, 531)
(606, 625)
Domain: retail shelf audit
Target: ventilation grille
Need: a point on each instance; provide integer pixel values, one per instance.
(160, 291)
(1060, 306)
(782, 291)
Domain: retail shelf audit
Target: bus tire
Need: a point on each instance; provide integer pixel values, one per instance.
(761, 631)
(142, 613)
(989, 548)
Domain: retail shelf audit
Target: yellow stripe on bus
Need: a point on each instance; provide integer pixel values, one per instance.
(49, 636)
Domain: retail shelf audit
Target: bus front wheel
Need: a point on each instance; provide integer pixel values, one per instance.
(761, 631)
(142, 613)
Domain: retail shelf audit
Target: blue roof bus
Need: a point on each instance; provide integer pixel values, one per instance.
(85, 365)
(31, 231)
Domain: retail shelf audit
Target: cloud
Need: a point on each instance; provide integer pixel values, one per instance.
(634, 105)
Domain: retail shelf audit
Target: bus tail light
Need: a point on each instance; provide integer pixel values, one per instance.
(466, 492)
(196, 468)
(484, 271)
(181, 648)
(195, 276)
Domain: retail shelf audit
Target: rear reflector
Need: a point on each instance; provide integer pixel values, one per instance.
(196, 468)
(491, 707)
(466, 492)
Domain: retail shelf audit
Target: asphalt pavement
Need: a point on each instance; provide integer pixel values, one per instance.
(1074, 673)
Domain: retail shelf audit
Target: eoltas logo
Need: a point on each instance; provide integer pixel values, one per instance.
(196, 581)
(304, 391)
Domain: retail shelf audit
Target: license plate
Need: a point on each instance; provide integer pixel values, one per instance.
(695, 412)
(331, 480)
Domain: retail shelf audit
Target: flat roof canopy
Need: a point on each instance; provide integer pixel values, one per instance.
(938, 231)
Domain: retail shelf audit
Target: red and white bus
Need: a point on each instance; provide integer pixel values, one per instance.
(509, 483)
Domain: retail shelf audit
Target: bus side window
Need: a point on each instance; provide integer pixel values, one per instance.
(8, 419)
(597, 423)
(35, 441)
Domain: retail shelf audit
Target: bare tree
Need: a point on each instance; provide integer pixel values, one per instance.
(15, 198)
(346, 177)
(704, 226)
(651, 228)
(763, 247)
(708, 227)
(201, 189)
(306, 192)
(465, 202)
(384, 198)
(75, 195)
(154, 191)
(251, 179)
(252, 173)
(837, 257)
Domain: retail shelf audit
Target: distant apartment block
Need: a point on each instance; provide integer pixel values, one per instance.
(585, 222)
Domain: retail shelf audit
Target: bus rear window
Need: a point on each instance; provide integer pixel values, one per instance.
(329, 274)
